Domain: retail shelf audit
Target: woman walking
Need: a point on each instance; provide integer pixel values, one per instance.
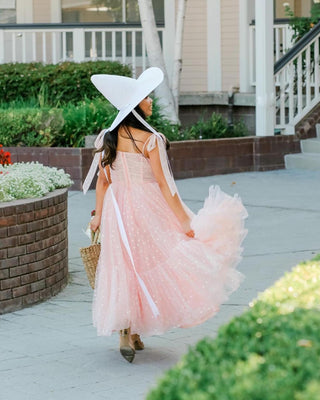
(160, 265)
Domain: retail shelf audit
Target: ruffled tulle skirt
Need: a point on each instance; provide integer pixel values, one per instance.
(187, 278)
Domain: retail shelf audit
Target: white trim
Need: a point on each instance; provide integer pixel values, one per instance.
(265, 96)
(24, 9)
(214, 45)
(55, 11)
(169, 36)
(245, 16)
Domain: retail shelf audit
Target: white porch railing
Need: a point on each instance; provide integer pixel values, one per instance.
(282, 34)
(299, 79)
(53, 43)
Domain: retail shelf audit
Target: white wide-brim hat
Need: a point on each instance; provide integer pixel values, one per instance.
(126, 93)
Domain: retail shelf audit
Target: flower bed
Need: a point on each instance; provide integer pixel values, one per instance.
(27, 180)
(271, 351)
(33, 249)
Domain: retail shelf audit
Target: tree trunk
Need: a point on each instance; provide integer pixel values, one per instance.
(177, 66)
(156, 59)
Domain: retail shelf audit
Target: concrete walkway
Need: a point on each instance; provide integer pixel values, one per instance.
(50, 351)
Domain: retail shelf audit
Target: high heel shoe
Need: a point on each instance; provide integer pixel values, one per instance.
(126, 350)
(137, 342)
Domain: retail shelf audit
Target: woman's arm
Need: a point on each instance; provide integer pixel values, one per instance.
(174, 202)
(101, 187)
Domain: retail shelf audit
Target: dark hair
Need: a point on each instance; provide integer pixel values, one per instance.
(110, 140)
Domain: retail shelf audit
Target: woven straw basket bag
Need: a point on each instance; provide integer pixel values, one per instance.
(90, 256)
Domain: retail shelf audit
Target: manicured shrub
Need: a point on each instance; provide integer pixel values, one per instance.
(29, 126)
(270, 352)
(62, 127)
(54, 84)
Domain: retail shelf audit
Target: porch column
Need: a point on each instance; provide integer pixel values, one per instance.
(214, 45)
(265, 91)
(169, 35)
(246, 15)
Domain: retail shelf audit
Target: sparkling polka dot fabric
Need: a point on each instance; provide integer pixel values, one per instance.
(188, 278)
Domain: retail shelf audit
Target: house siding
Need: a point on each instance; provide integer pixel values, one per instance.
(41, 11)
(194, 52)
(230, 44)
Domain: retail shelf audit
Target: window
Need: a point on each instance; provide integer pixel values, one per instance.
(8, 12)
(110, 11)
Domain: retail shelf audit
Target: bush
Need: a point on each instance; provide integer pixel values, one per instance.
(271, 351)
(54, 84)
(27, 180)
(62, 127)
(29, 126)
(215, 127)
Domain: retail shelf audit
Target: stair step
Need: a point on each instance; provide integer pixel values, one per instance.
(310, 161)
(310, 146)
(318, 130)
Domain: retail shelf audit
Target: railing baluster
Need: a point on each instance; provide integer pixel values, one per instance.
(143, 53)
(14, 56)
(103, 40)
(282, 97)
(64, 46)
(277, 44)
(299, 84)
(2, 46)
(93, 52)
(44, 47)
(24, 43)
(133, 52)
(34, 47)
(316, 68)
(307, 79)
(54, 47)
(113, 44)
(124, 47)
(291, 76)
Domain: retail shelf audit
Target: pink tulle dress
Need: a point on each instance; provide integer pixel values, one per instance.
(187, 278)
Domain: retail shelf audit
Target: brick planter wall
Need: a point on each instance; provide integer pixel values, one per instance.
(190, 158)
(222, 156)
(33, 250)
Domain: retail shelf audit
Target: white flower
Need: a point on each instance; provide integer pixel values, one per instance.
(316, 1)
(26, 180)
(286, 5)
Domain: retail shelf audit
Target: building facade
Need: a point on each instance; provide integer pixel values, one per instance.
(219, 45)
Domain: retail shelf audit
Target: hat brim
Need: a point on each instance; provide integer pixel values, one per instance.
(135, 90)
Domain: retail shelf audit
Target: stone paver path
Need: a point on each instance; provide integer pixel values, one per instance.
(50, 351)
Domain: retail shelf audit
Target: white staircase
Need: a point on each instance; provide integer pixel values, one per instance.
(310, 156)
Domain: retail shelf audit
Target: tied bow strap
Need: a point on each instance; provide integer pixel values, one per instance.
(95, 162)
(166, 169)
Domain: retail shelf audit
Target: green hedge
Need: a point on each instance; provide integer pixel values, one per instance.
(27, 124)
(270, 352)
(54, 84)
(62, 127)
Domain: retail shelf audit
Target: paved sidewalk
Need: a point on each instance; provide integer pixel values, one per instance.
(50, 351)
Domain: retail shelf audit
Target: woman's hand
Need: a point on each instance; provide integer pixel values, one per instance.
(95, 222)
(186, 227)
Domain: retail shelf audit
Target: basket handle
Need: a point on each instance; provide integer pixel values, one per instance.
(95, 236)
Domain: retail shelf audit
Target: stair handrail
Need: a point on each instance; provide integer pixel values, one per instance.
(295, 49)
(297, 81)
